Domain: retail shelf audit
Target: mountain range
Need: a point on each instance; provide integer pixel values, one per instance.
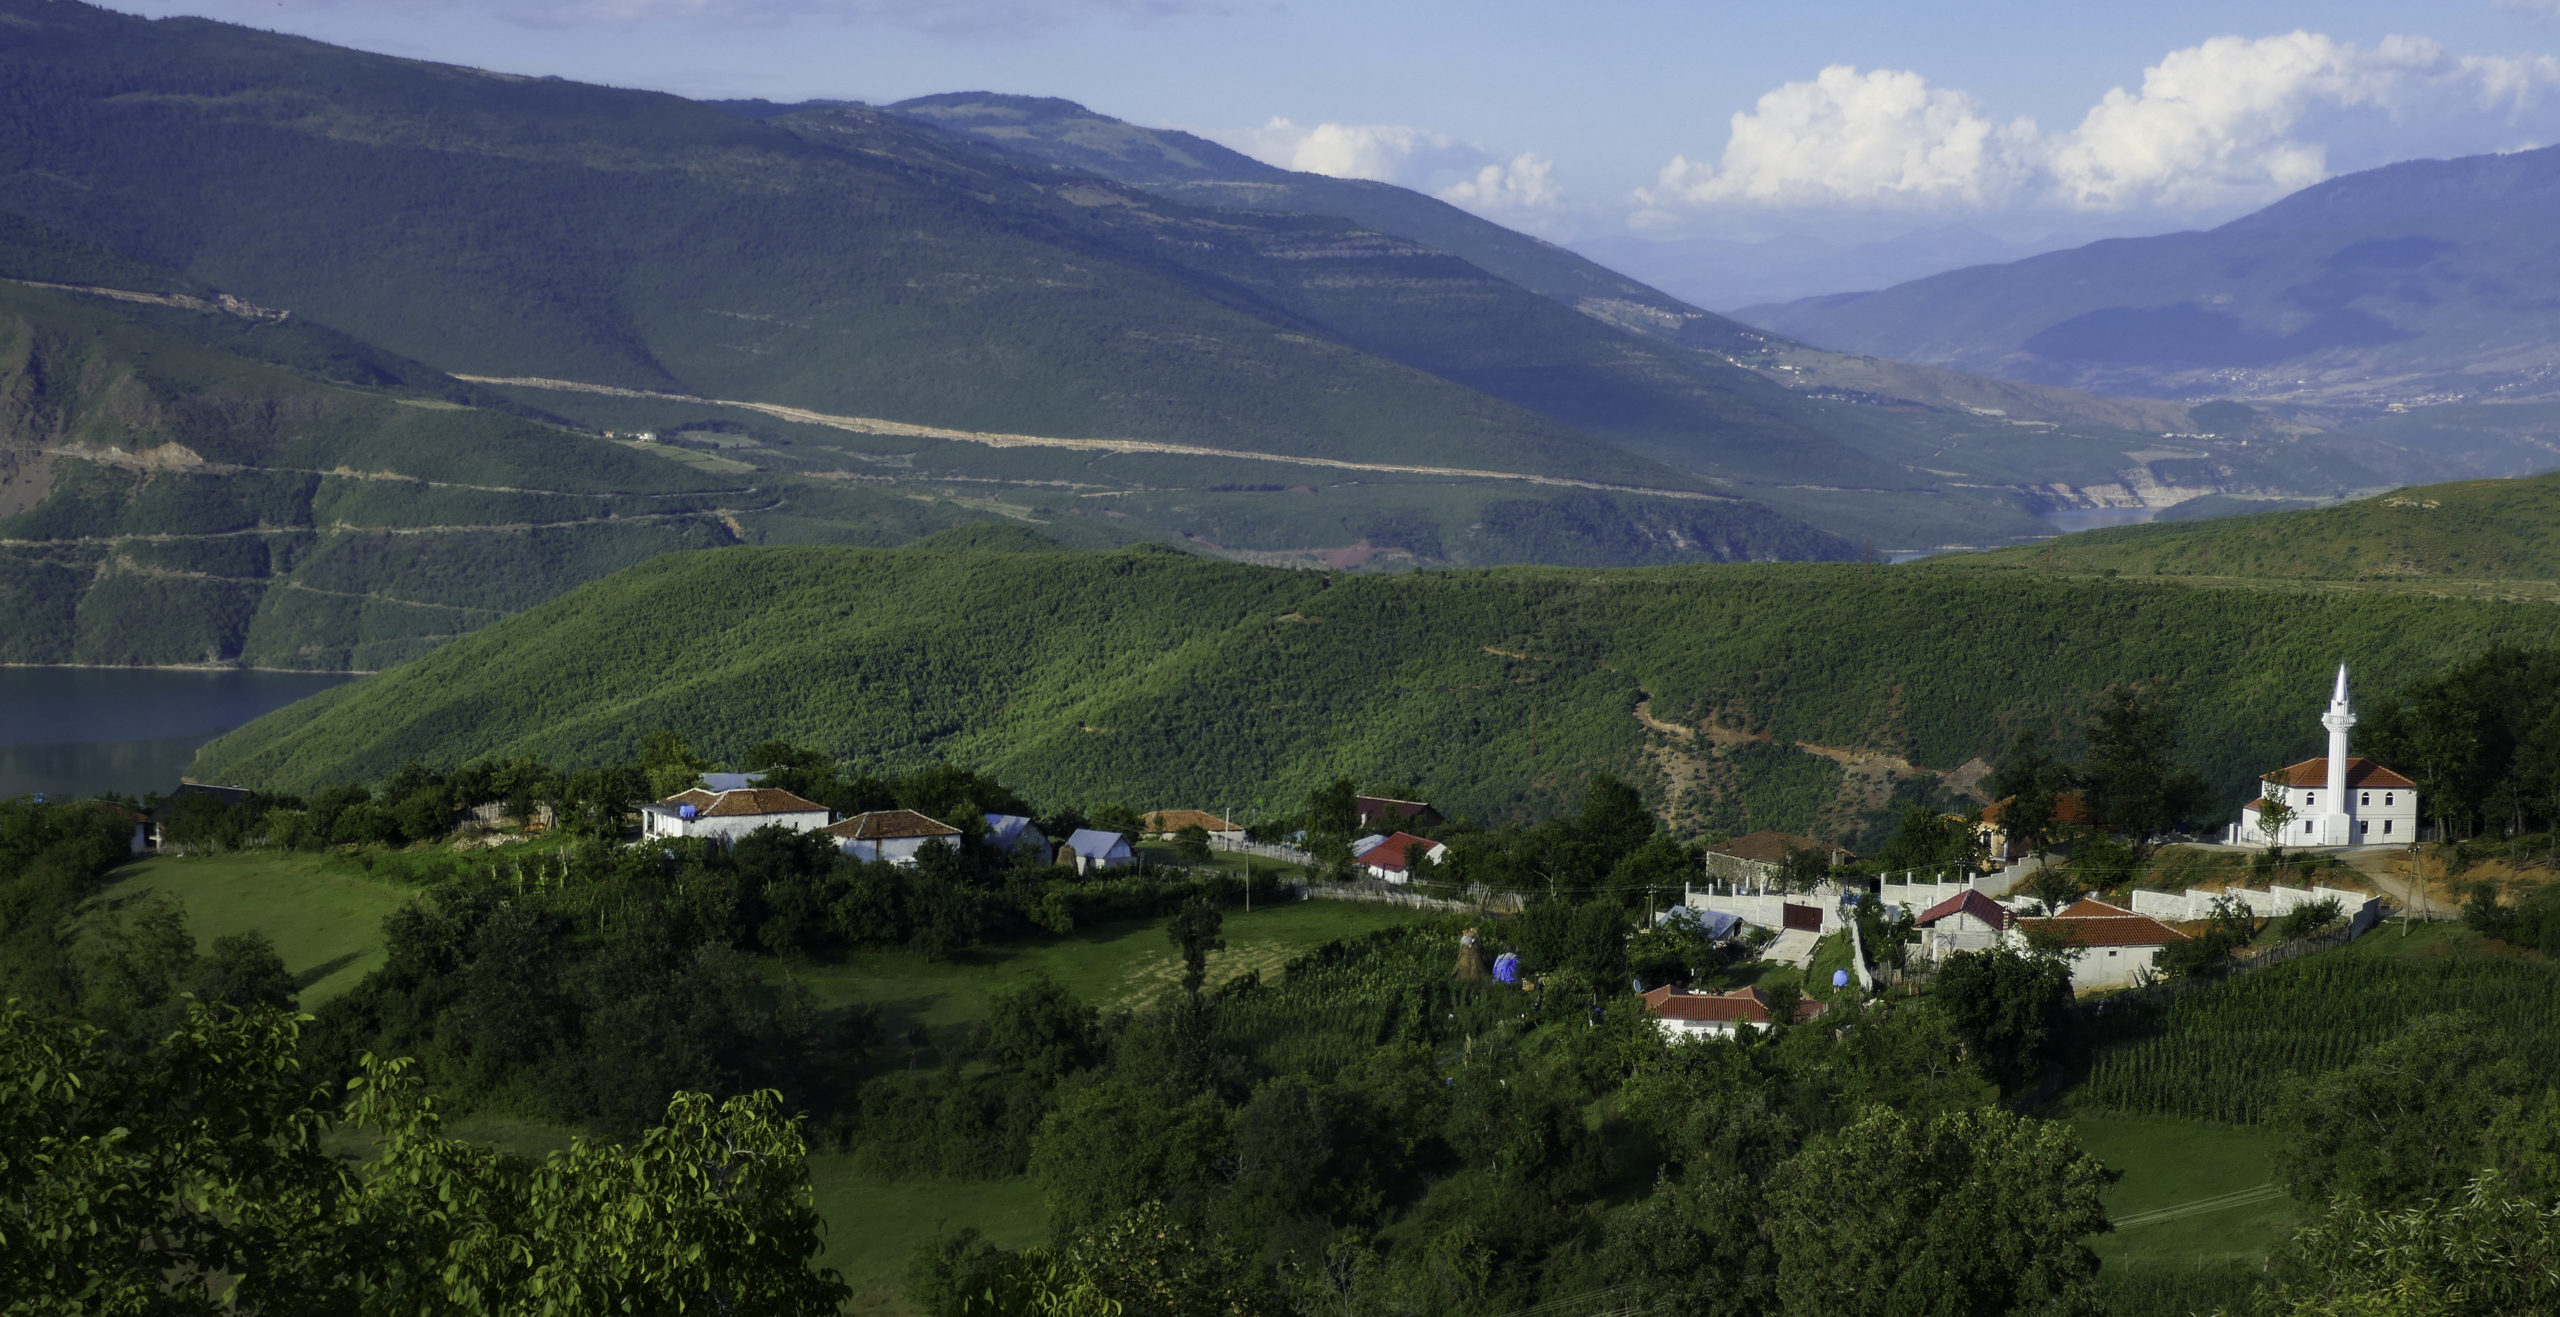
(2416, 284)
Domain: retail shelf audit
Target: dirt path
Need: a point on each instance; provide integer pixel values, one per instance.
(875, 425)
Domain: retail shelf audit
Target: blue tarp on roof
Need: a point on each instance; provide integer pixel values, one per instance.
(1712, 924)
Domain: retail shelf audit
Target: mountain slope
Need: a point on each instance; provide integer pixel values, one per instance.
(2418, 282)
(2505, 531)
(518, 227)
(1165, 680)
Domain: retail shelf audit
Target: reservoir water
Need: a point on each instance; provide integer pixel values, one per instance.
(2078, 519)
(87, 730)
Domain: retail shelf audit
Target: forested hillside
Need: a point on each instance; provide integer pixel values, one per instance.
(1169, 680)
(2472, 531)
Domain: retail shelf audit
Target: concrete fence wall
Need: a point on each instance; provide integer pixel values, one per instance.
(1763, 909)
(2195, 903)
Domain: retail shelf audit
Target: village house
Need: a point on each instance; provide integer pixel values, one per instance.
(1758, 856)
(1400, 813)
(1680, 1013)
(1966, 921)
(2111, 947)
(2069, 810)
(894, 835)
(1166, 822)
(729, 815)
(1091, 850)
(2343, 800)
(1012, 834)
(1388, 858)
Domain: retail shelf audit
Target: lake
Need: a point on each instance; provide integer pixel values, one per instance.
(2069, 520)
(135, 730)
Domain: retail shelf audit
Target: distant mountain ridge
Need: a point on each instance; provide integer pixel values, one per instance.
(2424, 282)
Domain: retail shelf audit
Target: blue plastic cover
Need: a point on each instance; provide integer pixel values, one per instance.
(1506, 968)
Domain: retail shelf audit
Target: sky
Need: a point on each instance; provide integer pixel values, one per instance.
(1728, 152)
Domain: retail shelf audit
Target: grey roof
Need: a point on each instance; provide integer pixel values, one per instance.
(1094, 841)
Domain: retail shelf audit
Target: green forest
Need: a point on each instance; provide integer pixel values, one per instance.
(1176, 681)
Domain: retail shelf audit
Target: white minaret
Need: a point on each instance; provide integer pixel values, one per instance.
(2335, 827)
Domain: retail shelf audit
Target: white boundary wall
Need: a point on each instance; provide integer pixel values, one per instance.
(2195, 903)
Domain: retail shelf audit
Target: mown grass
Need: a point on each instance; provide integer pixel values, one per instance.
(1112, 966)
(2167, 1163)
(323, 912)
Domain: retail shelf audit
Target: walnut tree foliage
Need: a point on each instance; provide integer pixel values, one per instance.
(201, 1174)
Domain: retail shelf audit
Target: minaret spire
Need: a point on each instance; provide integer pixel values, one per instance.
(2337, 823)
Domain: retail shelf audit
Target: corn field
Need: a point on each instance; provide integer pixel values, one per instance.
(2227, 1053)
(1344, 999)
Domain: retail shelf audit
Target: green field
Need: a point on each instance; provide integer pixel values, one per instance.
(2192, 1193)
(323, 912)
(1120, 965)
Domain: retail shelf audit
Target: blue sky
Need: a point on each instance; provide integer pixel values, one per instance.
(1875, 140)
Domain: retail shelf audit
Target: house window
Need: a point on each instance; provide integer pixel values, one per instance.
(2386, 827)
(2386, 797)
(2364, 798)
(2306, 826)
(2309, 800)
(2363, 827)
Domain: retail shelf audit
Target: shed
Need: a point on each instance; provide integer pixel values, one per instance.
(1402, 813)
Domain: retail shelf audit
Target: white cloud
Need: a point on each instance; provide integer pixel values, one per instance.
(2232, 121)
(1383, 153)
(1526, 182)
(1461, 173)
(1882, 137)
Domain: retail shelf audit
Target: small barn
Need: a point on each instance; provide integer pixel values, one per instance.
(1966, 921)
(1387, 859)
(1091, 850)
(1398, 813)
(1166, 822)
(1013, 833)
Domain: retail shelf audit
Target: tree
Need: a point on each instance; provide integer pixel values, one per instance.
(243, 971)
(2275, 816)
(1927, 839)
(209, 1143)
(1194, 931)
(1192, 843)
(1975, 1211)
(2030, 786)
(669, 763)
(2411, 1120)
(1042, 1030)
(2483, 1252)
(2230, 927)
(2131, 780)
(1334, 808)
(2003, 1004)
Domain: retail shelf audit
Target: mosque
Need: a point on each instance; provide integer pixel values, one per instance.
(2343, 800)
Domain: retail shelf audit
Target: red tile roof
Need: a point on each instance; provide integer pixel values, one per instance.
(1389, 854)
(1968, 902)
(748, 801)
(890, 825)
(1748, 1005)
(1769, 846)
(2095, 924)
(1175, 820)
(2361, 772)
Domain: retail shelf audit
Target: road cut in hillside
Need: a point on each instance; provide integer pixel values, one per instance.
(875, 425)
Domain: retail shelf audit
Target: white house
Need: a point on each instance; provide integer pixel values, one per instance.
(1010, 833)
(729, 815)
(1966, 921)
(1091, 849)
(2111, 947)
(894, 835)
(1680, 1013)
(1387, 859)
(2344, 800)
